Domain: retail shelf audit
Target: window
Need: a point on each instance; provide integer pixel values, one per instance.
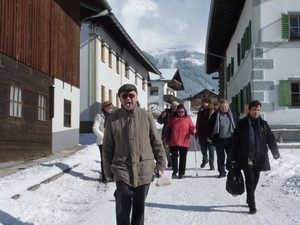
(103, 51)
(16, 104)
(290, 25)
(136, 78)
(103, 98)
(110, 95)
(126, 70)
(110, 57)
(67, 113)
(154, 91)
(117, 101)
(295, 26)
(295, 95)
(42, 107)
(289, 92)
(118, 64)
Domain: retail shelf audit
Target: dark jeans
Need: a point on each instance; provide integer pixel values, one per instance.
(127, 197)
(182, 152)
(222, 146)
(251, 177)
(102, 170)
(211, 153)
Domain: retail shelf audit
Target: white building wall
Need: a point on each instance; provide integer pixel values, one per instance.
(159, 99)
(275, 58)
(242, 73)
(95, 74)
(286, 67)
(62, 135)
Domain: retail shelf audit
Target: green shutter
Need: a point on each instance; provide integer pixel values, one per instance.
(238, 54)
(239, 105)
(249, 35)
(245, 96)
(285, 28)
(228, 73)
(243, 46)
(232, 66)
(284, 93)
(233, 103)
(249, 92)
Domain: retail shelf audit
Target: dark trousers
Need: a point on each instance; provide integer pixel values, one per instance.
(127, 197)
(251, 177)
(181, 152)
(211, 153)
(222, 146)
(102, 170)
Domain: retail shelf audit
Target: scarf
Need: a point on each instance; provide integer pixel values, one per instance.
(255, 145)
(106, 115)
(217, 124)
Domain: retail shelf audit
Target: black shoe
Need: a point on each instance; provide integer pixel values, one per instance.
(252, 211)
(203, 164)
(180, 176)
(212, 168)
(173, 175)
(169, 164)
(222, 175)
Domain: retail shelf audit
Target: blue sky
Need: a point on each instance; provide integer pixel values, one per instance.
(164, 23)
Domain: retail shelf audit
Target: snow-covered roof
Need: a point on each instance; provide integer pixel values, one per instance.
(167, 74)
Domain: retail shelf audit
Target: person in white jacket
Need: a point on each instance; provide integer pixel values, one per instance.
(98, 129)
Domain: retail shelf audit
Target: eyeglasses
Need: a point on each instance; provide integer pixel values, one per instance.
(179, 112)
(125, 96)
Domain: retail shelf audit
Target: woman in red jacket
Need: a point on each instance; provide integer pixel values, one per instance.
(182, 127)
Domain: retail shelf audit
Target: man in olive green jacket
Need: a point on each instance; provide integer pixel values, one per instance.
(131, 147)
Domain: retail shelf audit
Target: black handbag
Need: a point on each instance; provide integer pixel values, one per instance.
(235, 181)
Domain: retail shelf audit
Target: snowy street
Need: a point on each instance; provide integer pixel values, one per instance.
(78, 198)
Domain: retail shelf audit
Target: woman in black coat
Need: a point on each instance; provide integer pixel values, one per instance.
(251, 139)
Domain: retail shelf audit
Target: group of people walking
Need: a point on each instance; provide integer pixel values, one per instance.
(131, 148)
(242, 142)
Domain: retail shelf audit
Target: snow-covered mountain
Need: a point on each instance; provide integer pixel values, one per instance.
(191, 66)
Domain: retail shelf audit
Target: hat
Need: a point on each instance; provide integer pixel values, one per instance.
(175, 103)
(107, 104)
(127, 87)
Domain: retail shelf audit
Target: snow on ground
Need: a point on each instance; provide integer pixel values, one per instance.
(78, 198)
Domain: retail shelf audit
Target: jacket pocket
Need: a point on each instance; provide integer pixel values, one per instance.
(147, 156)
(146, 164)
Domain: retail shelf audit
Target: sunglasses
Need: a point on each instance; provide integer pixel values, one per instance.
(180, 111)
(125, 96)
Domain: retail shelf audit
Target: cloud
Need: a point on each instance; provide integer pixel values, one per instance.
(156, 23)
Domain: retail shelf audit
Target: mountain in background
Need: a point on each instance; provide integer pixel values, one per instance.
(191, 66)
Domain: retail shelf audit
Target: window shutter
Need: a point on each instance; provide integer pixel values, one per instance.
(285, 28)
(238, 54)
(233, 103)
(243, 46)
(249, 35)
(228, 73)
(284, 93)
(232, 66)
(245, 96)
